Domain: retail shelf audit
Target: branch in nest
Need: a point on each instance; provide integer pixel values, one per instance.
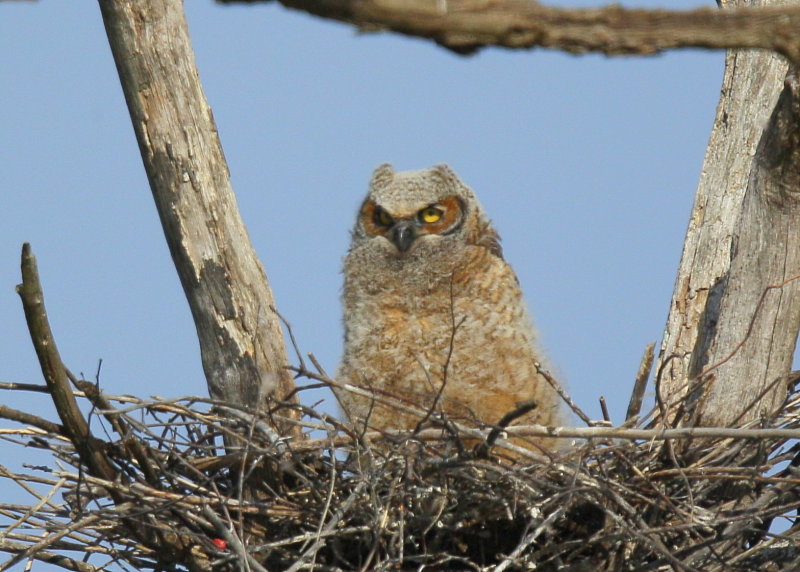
(637, 395)
(29, 419)
(330, 509)
(53, 369)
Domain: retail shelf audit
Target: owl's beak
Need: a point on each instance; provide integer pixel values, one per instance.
(403, 234)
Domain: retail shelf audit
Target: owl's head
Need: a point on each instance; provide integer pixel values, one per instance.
(407, 209)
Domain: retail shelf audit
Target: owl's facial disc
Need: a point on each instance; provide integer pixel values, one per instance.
(403, 228)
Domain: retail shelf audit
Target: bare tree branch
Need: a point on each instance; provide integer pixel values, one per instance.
(465, 26)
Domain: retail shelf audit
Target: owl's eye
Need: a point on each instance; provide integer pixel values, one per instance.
(383, 218)
(430, 214)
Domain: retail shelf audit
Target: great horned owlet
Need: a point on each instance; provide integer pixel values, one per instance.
(430, 301)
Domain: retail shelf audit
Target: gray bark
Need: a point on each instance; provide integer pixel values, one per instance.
(465, 26)
(713, 367)
(242, 346)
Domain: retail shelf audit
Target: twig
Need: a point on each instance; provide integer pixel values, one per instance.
(233, 541)
(32, 510)
(24, 387)
(637, 395)
(529, 539)
(563, 394)
(288, 327)
(604, 410)
(49, 557)
(334, 521)
(325, 509)
(28, 419)
(49, 540)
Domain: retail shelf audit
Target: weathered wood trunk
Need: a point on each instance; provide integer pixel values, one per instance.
(714, 368)
(242, 346)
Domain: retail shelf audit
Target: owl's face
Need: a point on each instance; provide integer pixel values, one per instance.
(417, 213)
(404, 228)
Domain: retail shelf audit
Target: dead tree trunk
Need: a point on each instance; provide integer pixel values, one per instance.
(242, 346)
(727, 344)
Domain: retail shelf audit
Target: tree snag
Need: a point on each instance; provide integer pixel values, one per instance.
(714, 368)
(243, 353)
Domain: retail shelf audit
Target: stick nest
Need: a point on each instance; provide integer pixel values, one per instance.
(335, 499)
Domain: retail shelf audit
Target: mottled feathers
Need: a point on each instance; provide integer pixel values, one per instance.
(431, 309)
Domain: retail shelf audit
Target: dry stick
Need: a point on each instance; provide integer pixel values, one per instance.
(732, 531)
(563, 394)
(53, 370)
(292, 339)
(49, 557)
(33, 549)
(23, 480)
(334, 521)
(644, 532)
(313, 535)
(574, 433)
(33, 509)
(24, 386)
(29, 419)
(400, 404)
(233, 541)
(325, 510)
(120, 424)
(558, 432)
(654, 434)
(604, 410)
(530, 538)
(635, 403)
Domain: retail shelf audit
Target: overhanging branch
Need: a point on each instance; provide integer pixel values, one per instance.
(465, 26)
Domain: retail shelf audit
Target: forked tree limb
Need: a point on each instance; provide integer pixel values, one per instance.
(465, 26)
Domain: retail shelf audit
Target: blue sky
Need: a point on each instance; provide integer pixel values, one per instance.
(587, 165)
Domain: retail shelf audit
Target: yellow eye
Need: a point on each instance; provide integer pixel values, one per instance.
(383, 218)
(430, 214)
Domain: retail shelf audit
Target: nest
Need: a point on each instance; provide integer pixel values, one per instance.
(193, 484)
(206, 486)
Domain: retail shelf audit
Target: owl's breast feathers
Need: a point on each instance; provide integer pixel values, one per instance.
(444, 317)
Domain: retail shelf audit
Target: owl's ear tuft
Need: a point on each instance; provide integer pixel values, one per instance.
(382, 176)
(447, 174)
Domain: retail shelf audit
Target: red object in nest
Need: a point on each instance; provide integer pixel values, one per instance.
(220, 543)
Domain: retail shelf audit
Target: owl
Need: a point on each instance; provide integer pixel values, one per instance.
(433, 314)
